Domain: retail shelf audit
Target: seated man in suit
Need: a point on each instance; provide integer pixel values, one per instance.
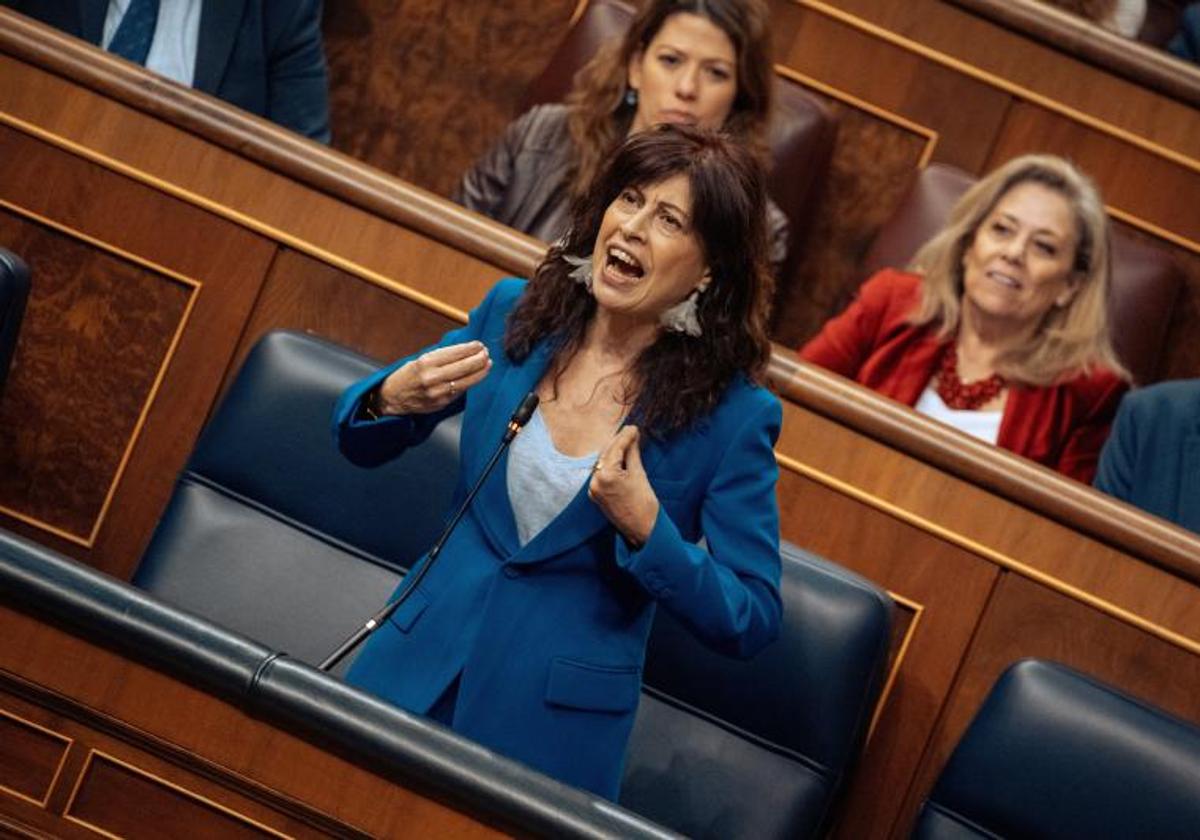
(1152, 458)
(261, 56)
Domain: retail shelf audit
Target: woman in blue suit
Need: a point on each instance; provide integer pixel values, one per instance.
(643, 332)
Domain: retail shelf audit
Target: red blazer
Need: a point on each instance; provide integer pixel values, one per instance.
(1062, 426)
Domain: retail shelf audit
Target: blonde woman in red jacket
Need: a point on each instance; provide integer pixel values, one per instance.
(1000, 327)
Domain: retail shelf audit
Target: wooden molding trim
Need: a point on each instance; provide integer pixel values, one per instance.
(268, 145)
(1139, 62)
(188, 761)
(67, 743)
(194, 286)
(95, 757)
(1012, 477)
(929, 135)
(1023, 93)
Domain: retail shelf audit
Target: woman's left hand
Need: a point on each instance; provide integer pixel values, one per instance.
(620, 488)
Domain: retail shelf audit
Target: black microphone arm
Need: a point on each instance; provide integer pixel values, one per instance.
(515, 423)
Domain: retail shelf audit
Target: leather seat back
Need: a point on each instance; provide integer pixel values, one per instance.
(760, 749)
(1053, 753)
(273, 533)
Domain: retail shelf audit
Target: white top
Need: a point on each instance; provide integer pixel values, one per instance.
(1126, 17)
(984, 425)
(176, 37)
(541, 480)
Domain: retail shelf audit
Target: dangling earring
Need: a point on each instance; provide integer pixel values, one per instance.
(583, 270)
(631, 97)
(681, 317)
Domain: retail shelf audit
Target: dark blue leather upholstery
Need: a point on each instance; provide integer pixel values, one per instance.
(724, 748)
(272, 533)
(14, 291)
(1053, 753)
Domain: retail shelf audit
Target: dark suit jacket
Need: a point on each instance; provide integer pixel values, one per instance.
(547, 639)
(1152, 459)
(1062, 426)
(260, 55)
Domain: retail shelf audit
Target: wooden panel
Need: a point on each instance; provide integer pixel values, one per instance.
(251, 194)
(992, 52)
(1028, 620)
(420, 89)
(121, 800)
(30, 757)
(949, 587)
(304, 294)
(191, 750)
(128, 283)
(855, 458)
(965, 112)
(96, 334)
(1148, 186)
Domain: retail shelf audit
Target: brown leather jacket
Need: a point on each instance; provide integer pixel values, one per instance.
(522, 180)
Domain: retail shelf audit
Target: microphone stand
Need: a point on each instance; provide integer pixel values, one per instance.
(515, 423)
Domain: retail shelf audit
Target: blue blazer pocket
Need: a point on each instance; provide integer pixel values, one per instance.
(595, 688)
(406, 614)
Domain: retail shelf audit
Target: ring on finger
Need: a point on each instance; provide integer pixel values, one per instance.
(453, 387)
(596, 467)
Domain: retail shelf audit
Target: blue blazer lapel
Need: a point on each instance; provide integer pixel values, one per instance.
(492, 506)
(580, 520)
(220, 21)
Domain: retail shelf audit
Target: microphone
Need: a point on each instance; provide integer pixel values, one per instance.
(515, 423)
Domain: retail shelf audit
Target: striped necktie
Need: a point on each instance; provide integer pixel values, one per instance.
(133, 36)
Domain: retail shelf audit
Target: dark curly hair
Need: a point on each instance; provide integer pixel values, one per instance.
(679, 378)
(600, 117)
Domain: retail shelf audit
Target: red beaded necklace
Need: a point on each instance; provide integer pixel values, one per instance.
(960, 395)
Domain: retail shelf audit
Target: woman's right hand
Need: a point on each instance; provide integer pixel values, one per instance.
(433, 380)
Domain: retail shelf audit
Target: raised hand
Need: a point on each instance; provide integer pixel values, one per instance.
(435, 379)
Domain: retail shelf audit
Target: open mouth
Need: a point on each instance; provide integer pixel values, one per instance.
(623, 264)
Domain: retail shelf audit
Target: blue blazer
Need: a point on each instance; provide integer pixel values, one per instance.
(547, 640)
(1152, 457)
(264, 57)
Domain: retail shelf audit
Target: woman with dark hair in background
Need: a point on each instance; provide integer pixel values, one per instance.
(695, 62)
(643, 331)
(1000, 327)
